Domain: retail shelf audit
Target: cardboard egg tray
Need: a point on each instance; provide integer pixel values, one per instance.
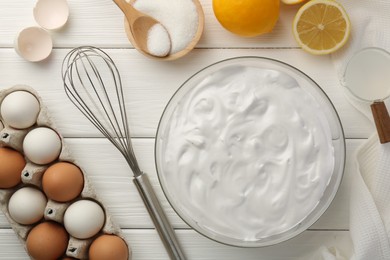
(32, 175)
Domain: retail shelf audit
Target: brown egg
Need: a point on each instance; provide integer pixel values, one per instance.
(11, 166)
(108, 247)
(63, 182)
(47, 241)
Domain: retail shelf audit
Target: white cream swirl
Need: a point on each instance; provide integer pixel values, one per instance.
(247, 153)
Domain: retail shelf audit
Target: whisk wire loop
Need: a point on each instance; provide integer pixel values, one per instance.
(87, 88)
(108, 111)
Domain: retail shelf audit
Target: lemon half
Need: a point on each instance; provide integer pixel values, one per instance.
(321, 27)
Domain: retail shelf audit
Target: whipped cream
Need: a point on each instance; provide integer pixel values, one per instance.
(247, 154)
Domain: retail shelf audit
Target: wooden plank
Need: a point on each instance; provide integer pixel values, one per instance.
(150, 84)
(147, 246)
(198, 247)
(10, 246)
(112, 177)
(100, 22)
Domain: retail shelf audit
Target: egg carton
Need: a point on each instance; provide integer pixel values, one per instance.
(32, 176)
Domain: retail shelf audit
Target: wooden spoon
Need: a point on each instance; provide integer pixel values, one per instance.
(176, 55)
(382, 121)
(139, 25)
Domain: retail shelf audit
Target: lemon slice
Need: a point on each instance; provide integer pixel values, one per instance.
(321, 26)
(292, 2)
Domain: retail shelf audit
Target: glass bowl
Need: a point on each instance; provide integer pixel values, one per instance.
(197, 201)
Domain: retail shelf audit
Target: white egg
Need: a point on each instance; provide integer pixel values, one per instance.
(27, 205)
(20, 109)
(84, 219)
(42, 145)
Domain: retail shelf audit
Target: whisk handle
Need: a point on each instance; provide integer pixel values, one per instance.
(159, 218)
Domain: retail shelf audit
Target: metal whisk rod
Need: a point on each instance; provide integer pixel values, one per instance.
(93, 84)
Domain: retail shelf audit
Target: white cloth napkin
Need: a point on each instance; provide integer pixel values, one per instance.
(369, 213)
(370, 191)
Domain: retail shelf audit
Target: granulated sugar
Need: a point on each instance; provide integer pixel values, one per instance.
(179, 17)
(158, 42)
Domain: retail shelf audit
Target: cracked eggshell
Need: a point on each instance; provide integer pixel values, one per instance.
(33, 44)
(51, 14)
(42, 145)
(20, 109)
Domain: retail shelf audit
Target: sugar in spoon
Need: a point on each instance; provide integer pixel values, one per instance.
(140, 24)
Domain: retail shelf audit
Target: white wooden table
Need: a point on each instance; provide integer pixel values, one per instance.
(149, 85)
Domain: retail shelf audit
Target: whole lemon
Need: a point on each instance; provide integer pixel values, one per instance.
(247, 17)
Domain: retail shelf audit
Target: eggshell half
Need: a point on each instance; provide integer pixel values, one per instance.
(51, 14)
(20, 109)
(1, 126)
(33, 44)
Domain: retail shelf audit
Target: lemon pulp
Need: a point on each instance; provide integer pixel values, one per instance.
(321, 26)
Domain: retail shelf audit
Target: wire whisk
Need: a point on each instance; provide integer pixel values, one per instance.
(81, 65)
(93, 84)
